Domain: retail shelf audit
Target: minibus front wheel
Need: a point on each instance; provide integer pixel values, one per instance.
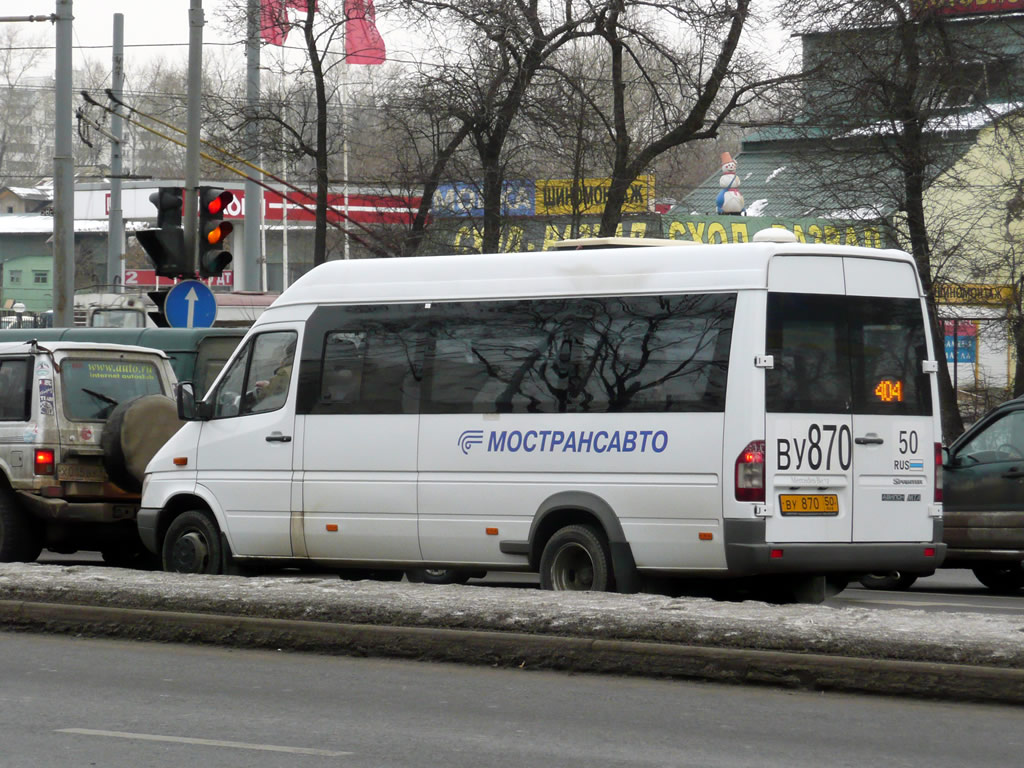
(576, 558)
(192, 544)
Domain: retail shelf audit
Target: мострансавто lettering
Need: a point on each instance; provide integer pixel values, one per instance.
(577, 441)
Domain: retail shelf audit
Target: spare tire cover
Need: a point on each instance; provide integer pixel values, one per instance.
(133, 434)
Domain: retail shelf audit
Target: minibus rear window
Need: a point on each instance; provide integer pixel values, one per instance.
(846, 354)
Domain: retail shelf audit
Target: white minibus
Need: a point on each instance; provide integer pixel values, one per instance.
(603, 417)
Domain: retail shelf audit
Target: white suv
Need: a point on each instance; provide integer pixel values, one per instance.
(67, 481)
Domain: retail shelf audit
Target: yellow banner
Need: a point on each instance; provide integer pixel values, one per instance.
(972, 293)
(562, 196)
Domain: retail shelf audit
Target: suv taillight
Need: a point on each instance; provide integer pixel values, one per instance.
(938, 473)
(750, 472)
(44, 464)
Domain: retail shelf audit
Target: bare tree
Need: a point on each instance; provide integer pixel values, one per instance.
(300, 112)
(22, 122)
(691, 83)
(975, 217)
(891, 104)
(510, 43)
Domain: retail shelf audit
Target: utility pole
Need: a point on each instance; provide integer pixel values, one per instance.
(115, 222)
(195, 85)
(63, 178)
(247, 266)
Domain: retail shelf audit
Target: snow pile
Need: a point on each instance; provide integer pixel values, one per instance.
(897, 634)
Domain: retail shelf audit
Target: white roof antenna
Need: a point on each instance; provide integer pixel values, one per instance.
(773, 235)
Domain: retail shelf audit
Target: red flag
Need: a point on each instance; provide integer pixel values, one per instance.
(274, 23)
(363, 43)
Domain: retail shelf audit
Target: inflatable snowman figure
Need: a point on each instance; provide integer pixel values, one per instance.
(729, 200)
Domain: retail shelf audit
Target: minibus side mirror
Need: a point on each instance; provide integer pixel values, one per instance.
(945, 456)
(188, 410)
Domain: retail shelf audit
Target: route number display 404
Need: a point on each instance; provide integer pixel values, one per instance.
(889, 391)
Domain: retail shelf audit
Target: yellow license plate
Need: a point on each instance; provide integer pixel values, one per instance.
(809, 503)
(81, 473)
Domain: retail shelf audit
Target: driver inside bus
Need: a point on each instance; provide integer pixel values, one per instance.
(271, 394)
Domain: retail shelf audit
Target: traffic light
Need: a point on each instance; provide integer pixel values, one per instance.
(165, 245)
(169, 203)
(213, 230)
(157, 316)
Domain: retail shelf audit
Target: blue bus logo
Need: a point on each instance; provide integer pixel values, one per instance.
(469, 438)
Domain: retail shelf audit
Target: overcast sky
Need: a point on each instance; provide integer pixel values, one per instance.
(151, 27)
(154, 28)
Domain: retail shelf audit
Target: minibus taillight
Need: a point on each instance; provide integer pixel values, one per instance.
(750, 472)
(44, 461)
(938, 473)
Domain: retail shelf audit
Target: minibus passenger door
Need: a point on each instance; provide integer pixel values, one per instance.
(246, 447)
(358, 480)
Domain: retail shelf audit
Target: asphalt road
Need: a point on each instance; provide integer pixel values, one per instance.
(77, 702)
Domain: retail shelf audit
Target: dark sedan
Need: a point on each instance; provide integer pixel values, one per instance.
(983, 499)
(983, 504)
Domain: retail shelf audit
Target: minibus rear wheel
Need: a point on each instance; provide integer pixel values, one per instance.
(894, 580)
(192, 544)
(576, 558)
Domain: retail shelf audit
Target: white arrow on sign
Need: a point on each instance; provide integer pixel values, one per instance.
(191, 298)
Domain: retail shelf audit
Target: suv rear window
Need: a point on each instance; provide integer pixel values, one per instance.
(846, 354)
(93, 388)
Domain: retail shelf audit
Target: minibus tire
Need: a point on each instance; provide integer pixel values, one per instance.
(438, 576)
(21, 539)
(192, 544)
(894, 580)
(576, 558)
(135, 430)
(138, 557)
(1004, 579)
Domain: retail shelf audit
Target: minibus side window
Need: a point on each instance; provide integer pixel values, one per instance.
(259, 377)
(371, 368)
(497, 357)
(227, 398)
(342, 368)
(270, 372)
(652, 353)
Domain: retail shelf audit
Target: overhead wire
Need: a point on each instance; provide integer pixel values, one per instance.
(88, 97)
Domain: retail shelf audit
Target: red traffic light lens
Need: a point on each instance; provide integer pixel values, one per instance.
(215, 206)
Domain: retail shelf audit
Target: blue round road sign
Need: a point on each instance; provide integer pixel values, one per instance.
(190, 304)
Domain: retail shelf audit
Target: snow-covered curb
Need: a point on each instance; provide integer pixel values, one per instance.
(912, 635)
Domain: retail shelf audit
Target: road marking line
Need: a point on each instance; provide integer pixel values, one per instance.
(203, 742)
